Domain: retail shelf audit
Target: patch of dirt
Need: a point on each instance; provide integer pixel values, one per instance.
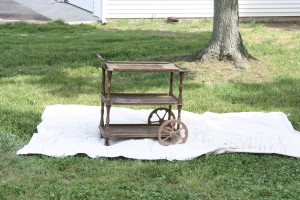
(282, 34)
(284, 26)
(65, 179)
(216, 72)
(117, 29)
(256, 74)
(211, 72)
(287, 41)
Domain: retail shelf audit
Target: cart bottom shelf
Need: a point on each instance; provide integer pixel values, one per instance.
(131, 131)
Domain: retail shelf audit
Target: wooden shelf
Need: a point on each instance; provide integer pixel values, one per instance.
(132, 131)
(143, 66)
(109, 99)
(140, 99)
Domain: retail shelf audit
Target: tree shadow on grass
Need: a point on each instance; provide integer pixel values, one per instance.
(57, 81)
(47, 67)
(32, 49)
(68, 82)
(63, 64)
(19, 122)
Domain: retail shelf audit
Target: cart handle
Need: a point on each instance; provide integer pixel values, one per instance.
(100, 58)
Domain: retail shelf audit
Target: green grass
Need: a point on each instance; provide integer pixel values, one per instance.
(55, 63)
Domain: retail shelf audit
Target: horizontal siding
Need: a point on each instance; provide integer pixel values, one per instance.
(266, 8)
(196, 8)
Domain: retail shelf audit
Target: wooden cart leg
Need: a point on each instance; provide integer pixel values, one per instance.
(102, 103)
(171, 83)
(170, 111)
(107, 133)
(179, 114)
(180, 87)
(101, 117)
(171, 93)
(181, 75)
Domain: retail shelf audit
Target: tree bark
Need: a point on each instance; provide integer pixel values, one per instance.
(226, 42)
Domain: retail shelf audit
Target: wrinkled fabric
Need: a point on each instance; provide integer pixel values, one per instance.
(67, 130)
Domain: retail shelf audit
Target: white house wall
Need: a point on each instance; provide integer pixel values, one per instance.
(158, 8)
(85, 4)
(97, 8)
(196, 8)
(265, 8)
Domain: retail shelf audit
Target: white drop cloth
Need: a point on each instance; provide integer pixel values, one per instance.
(67, 130)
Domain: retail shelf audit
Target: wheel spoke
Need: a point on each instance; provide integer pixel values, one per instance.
(173, 141)
(179, 136)
(166, 128)
(167, 138)
(165, 131)
(157, 115)
(180, 129)
(164, 115)
(174, 131)
(161, 114)
(173, 125)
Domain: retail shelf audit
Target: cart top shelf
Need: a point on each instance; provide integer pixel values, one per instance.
(142, 66)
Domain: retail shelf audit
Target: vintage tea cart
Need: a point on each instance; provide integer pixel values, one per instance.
(162, 123)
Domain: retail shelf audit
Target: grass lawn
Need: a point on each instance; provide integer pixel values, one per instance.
(55, 63)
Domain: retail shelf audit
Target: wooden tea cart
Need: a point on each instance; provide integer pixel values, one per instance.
(162, 123)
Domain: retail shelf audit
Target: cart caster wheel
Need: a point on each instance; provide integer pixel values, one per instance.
(172, 132)
(159, 116)
(106, 142)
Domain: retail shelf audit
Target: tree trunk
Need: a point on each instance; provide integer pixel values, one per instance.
(226, 42)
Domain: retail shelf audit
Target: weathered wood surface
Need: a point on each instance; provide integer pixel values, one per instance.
(133, 131)
(108, 99)
(143, 67)
(160, 115)
(172, 132)
(140, 99)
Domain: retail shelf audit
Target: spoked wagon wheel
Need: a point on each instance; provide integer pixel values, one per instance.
(159, 116)
(172, 132)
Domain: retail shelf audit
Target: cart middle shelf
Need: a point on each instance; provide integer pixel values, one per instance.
(140, 99)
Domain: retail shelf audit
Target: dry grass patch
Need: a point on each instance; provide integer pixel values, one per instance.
(287, 40)
(211, 72)
(284, 26)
